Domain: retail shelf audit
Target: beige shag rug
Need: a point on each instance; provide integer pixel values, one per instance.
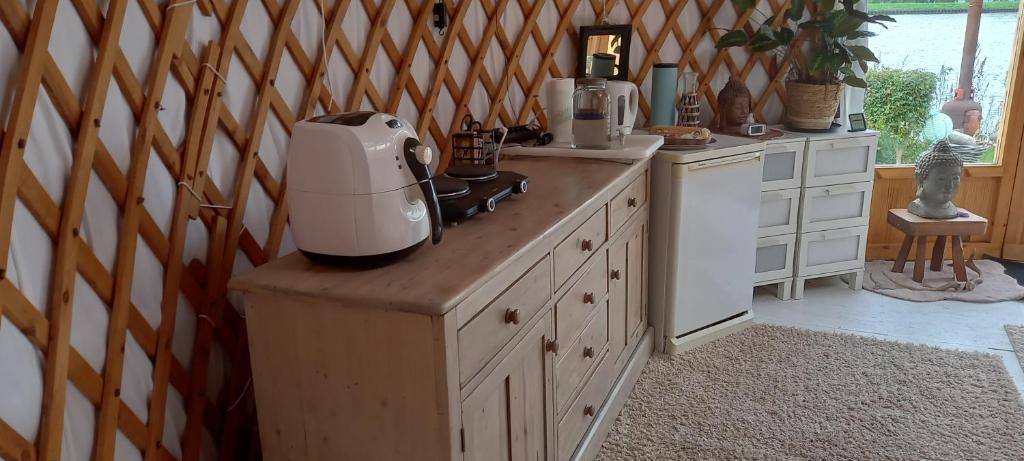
(772, 392)
(992, 285)
(1016, 334)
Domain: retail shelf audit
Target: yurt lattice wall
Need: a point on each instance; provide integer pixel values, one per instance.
(142, 151)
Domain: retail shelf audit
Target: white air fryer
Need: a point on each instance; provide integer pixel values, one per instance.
(360, 189)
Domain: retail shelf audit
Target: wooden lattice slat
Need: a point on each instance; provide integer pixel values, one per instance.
(204, 73)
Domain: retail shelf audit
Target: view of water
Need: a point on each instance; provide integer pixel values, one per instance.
(930, 41)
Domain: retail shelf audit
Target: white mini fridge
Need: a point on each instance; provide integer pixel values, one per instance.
(704, 240)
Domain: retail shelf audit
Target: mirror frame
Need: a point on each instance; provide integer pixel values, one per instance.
(623, 30)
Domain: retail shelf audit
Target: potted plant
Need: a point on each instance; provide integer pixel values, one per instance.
(813, 88)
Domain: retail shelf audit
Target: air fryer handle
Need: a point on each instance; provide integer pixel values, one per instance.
(430, 195)
(422, 174)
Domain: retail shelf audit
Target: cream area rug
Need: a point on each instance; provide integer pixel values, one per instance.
(992, 285)
(1016, 334)
(771, 392)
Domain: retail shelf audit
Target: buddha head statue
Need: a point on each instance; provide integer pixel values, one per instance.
(733, 104)
(938, 179)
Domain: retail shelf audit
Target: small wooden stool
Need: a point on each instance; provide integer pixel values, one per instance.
(915, 226)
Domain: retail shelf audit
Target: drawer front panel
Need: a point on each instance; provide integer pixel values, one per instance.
(779, 213)
(832, 251)
(626, 203)
(573, 309)
(775, 258)
(572, 252)
(833, 207)
(579, 415)
(840, 161)
(488, 332)
(584, 353)
(783, 166)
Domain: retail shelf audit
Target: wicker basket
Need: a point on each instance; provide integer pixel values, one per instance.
(811, 106)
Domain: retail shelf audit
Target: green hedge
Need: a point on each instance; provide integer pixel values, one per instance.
(897, 103)
(904, 6)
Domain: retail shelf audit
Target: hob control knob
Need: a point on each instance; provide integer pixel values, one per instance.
(424, 154)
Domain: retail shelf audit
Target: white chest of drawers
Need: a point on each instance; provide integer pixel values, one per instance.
(815, 205)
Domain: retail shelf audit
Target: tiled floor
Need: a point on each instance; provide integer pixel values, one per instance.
(828, 305)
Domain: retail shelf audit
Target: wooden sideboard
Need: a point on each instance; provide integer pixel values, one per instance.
(518, 337)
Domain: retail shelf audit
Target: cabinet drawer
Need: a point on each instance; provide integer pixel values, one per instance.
(775, 258)
(579, 415)
(488, 332)
(578, 246)
(833, 207)
(573, 309)
(840, 161)
(779, 213)
(783, 165)
(580, 357)
(626, 203)
(831, 251)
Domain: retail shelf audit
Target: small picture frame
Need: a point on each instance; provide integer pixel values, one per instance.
(858, 122)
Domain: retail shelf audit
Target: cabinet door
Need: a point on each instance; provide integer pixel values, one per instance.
(635, 280)
(510, 415)
(626, 285)
(617, 269)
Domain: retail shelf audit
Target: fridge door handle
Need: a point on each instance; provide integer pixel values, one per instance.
(724, 161)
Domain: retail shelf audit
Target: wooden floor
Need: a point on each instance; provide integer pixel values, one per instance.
(828, 305)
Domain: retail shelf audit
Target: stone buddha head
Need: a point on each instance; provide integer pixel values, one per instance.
(734, 103)
(938, 179)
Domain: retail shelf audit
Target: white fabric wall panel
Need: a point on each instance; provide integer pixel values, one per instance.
(50, 148)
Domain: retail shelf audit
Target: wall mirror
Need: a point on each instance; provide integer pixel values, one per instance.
(604, 51)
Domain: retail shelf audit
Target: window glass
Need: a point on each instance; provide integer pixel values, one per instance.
(915, 94)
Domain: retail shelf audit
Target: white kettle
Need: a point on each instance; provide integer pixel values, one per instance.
(625, 101)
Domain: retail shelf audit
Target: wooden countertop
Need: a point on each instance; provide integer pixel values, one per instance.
(435, 278)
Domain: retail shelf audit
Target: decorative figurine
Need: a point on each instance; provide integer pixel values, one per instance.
(734, 103)
(938, 178)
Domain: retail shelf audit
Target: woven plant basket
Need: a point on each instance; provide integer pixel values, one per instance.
(811, 106)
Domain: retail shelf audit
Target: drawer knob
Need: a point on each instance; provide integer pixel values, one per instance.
(512, 316)
(551, 346)
(587, 245)
(588, 352)
(631, 202)
(588, 410)
(615, 274)
(588, 298)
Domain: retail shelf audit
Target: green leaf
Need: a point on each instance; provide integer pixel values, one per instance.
(862, 53)
(762, 42)
(880, 19)
(847, 24)
(837, 60)
(860, 34)
(863, 66)
(784, 36)
(796, 11)
(732, 38)
(744, 4)
(825, 6)
(855, 82)
(810, 25)
(815, 63)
